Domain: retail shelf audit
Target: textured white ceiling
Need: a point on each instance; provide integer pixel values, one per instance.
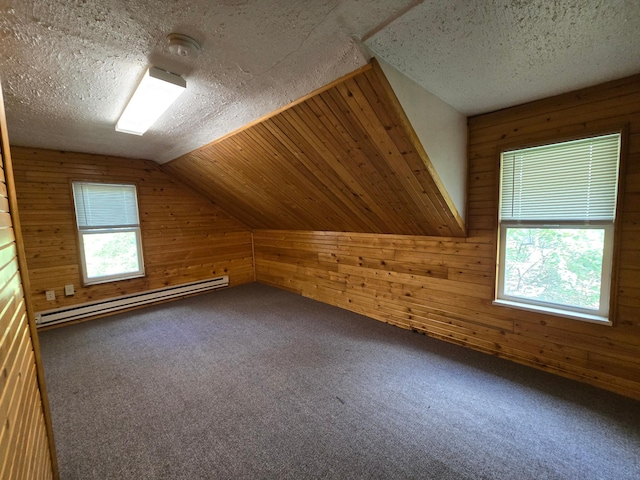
(483, 55)
(69, 67)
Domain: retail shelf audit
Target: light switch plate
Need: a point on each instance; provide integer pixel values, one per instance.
(69, 290)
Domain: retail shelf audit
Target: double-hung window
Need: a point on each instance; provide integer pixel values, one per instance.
(108, 231)
(557, 213)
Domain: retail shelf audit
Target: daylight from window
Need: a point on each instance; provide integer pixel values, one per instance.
(110, 253)
(555, 265)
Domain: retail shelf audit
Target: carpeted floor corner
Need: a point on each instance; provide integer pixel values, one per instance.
(258, 383)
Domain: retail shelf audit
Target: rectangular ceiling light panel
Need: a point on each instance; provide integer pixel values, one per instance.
(155, 94)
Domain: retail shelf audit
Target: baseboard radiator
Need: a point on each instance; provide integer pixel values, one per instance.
(75, 312)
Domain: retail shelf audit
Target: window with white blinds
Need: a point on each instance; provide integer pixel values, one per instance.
(573, 181)
(108, 231)
(557, 213)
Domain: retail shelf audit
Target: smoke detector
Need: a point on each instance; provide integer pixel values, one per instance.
(182, 45)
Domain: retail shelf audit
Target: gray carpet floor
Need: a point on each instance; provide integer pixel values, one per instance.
(258, 383)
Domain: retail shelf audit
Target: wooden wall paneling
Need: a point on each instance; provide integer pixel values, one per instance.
(407, 140)
(342, 159)
(443, 286)
(265, 186)
(284, 186)
(26, 434)
(185, 237)
(311, 173)
(560, 121)
(288, 189)
(333, 144)
(401, 145)
(348, 176)
(363, 112)
(342, 139)
(272, 132)
(310, 151)
(19, 407)
(302, 194)
(390, 174)
(229, 187)
(383, 198)
(587, 98)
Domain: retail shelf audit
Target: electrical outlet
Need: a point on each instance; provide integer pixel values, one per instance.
(69, 290)
(51, 295)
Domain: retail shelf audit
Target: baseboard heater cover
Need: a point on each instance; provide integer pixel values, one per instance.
(65, 314)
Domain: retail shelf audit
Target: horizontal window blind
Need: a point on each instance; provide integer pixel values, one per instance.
(571, 181)
(105, 205)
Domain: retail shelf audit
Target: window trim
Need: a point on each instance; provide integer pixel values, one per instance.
(81, 231)
(508, 145)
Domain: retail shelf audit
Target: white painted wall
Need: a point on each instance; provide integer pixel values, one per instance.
(442, 130)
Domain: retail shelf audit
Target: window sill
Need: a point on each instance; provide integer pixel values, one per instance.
(583, 317)
(115, 278)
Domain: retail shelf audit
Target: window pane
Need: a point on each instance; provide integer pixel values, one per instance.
(555, 265)
(110, 253)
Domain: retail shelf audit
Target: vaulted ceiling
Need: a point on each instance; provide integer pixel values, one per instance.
(345, 159)
(68, 68)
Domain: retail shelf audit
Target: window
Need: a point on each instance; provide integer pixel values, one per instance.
(109, 231)
(557, 212)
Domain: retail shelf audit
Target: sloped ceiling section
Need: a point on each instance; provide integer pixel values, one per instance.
(344, 159)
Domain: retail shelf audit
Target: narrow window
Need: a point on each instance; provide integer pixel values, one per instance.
(557, 212)
(109, 231)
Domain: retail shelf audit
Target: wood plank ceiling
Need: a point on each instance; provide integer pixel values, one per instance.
(342, 159)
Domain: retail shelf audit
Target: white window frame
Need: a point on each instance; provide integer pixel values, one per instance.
(86, 231)
(599, 316)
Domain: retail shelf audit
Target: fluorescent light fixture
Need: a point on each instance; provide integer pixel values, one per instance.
(156, 92)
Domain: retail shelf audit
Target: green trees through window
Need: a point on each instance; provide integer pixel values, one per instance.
(110, 253)
(555, 265)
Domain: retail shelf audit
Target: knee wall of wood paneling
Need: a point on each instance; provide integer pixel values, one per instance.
(185, 237)
(444, 287)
